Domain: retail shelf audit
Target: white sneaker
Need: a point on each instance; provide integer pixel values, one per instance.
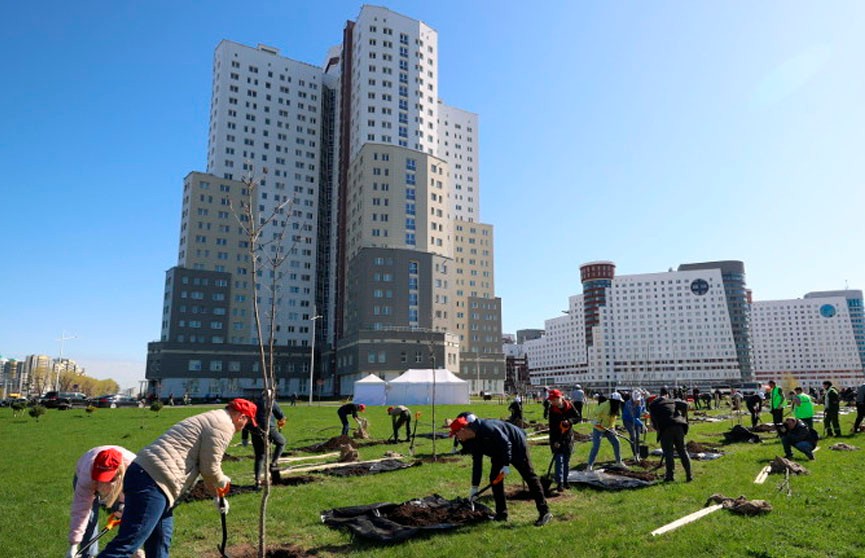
(588, 468)
(621, 465)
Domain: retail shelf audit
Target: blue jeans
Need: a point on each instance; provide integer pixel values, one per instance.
(596, 445)
(92, 523)
(147, 520)
(562, 459)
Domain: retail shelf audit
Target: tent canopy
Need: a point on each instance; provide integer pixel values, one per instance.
(415, 387)
(370, 390)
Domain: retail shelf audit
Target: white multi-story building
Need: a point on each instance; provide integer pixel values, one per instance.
(696, 326)
(811, 339)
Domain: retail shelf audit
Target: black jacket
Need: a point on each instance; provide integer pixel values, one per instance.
(666, 412)
(348, 409)
(503, 442)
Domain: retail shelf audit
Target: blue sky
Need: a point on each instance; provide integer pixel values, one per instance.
(650, 134)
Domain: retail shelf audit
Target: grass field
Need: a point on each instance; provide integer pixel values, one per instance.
(822, 517)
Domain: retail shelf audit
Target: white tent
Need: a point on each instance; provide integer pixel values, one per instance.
(415, 387)
(370, 391)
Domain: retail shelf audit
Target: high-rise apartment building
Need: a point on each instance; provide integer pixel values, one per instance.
(375, 185)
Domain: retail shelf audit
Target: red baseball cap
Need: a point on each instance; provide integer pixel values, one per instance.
(361, 407)
(105, 465)
(554, 393)
(458, 424)
(246, 408)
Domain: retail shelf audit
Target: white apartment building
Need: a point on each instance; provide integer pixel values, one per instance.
(696, 326)
(810, 339)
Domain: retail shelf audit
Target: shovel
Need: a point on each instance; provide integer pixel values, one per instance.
(547, 480)
(413, 433)
(499, 478)
(222, 513)
(109, 525)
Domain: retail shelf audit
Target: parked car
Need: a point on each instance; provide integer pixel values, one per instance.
(113, 401)
(64, 400)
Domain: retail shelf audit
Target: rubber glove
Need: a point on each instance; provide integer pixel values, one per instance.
(224, 488)
(222, 505)
(73, 551)
(473, 492)
(506, 470)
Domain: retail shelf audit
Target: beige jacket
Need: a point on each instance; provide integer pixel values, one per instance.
(191, 447)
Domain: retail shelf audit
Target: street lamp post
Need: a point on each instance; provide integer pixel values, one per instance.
(312, 352)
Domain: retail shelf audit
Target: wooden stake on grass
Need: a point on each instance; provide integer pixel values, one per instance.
(687, 519)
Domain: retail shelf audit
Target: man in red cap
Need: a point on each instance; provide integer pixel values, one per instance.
(98, 481)
(169, 467)
(506, 445)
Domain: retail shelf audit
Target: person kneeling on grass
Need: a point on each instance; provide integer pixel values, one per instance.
(800, 436)
(506, 445)
(167, 468)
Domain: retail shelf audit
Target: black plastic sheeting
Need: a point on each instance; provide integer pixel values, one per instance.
(606, 481)
(359, 468)
(370, 521)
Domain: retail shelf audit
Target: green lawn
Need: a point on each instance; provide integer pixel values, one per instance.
(822, 517)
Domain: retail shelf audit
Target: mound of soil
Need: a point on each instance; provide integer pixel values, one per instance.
(695, 447)
(643, 463)
(330, 445)
(438, 459)
(580, 437)
(413, 515)
(641, 475)
(296, 480)
(277, 551)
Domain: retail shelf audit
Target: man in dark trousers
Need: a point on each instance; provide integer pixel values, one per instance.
(670, 420)
(349, 409)
(754, 402)
(400, 415)
(798, 435)
(276, 420)
(831, 409)
(506, 445)
(777, 402)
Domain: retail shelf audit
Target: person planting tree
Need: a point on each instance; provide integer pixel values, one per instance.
(562, 417)
(400, 415)
(670, 419)
(349, 409)
(276, 420)
(167, 468)
(506, 445)
(98, 482)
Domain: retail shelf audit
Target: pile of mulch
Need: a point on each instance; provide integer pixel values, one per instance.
(247, 550)
(332, 444)
(740, 505)
(199, 492)
(781, 466)
(841, 446)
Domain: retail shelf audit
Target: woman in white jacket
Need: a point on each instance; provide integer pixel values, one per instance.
(98, 481)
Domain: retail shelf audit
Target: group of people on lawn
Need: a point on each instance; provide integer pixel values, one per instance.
(144, 488)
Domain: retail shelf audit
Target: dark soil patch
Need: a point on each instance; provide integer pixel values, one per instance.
(277, 551)
(640, 475)
(330, 445)
(643, 463)
(229, 457)
(199, 492)
(695, 447)
(519, 493)
(420, 516)
(297, 480)
(579, 437)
